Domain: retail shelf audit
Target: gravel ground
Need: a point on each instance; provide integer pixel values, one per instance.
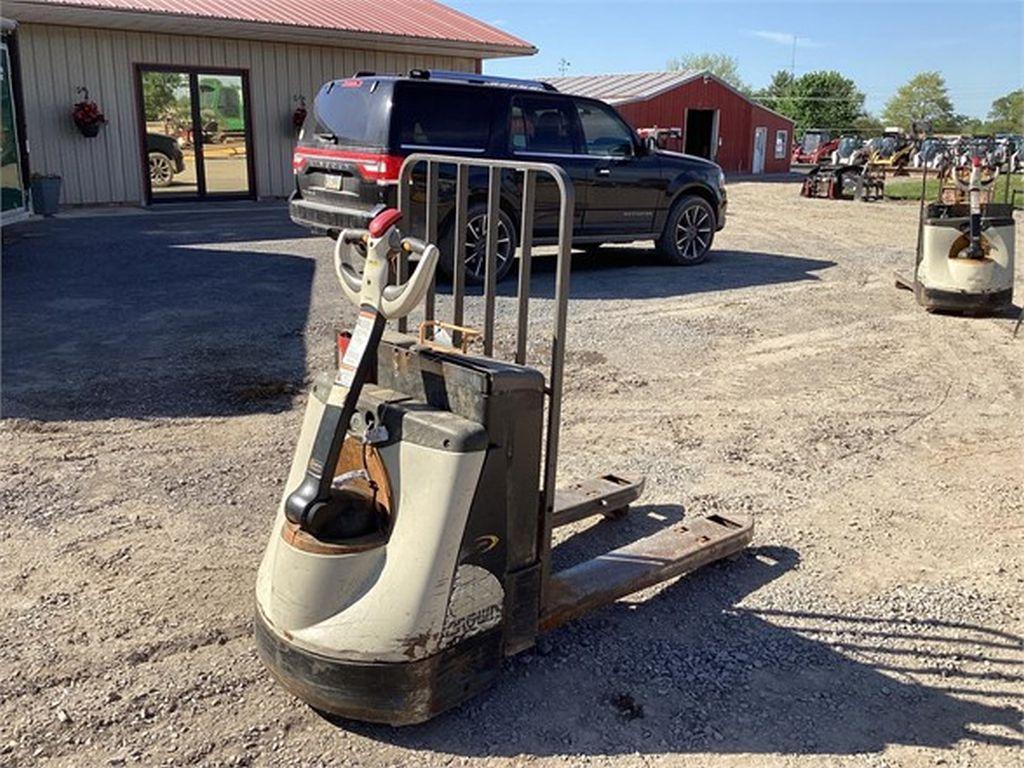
(153, 379)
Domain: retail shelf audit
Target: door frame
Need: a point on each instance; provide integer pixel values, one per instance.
(714, 136)
(764, 153)
(140, 120)
(9, 53)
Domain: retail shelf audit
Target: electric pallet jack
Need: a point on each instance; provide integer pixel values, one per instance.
(410, 552)
(965, 251)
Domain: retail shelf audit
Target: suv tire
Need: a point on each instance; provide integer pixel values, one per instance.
(689, 232)
(476, 245)
(161, 169)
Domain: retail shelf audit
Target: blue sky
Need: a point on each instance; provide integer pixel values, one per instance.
(976, 45)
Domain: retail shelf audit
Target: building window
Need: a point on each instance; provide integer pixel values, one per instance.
(781, 139)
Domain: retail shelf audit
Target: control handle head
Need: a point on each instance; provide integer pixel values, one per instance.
(384, 221)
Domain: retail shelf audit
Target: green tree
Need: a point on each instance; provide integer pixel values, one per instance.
(923, 97)
(779, 93)
(719, 64)
(868, 124)
(822, 99)
(965, 124)
(159, 93)
(1007, 113)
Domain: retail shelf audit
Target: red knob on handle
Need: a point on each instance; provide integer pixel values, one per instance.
(384, 221)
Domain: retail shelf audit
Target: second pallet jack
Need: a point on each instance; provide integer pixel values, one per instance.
(965, 250)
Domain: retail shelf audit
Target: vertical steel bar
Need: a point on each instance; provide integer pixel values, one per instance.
(920, 217)
(491, 263)
(459, 248)
(430, 235)
(525, 255)
(566, 213)
(405, 206)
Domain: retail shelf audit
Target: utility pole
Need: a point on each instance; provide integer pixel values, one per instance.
(792, 61)
(563, 66)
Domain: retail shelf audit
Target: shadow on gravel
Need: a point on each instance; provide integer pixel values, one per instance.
(690, 671)
(145, 316)
(638, 273)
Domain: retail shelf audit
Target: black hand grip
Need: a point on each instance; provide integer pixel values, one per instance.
(315, 490)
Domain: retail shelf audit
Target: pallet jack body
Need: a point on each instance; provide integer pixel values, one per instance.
(964, 261)
(445, 463)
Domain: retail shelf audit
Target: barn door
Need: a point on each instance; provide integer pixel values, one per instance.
(760, 145)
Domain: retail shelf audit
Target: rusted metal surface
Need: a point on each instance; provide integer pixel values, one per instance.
(641, 564)
(462, 336)
(305, 541)
(605, 495)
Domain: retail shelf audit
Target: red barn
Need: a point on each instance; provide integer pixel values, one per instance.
(717, 121)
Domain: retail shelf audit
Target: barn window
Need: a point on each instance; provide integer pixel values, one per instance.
(781, 140)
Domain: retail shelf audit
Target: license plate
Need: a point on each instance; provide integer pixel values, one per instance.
(332, 181)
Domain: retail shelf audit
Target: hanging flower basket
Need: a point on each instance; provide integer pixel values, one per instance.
(88, 118)
(299, 115)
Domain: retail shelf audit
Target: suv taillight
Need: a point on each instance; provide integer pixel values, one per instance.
(381, 168)
(372, 166)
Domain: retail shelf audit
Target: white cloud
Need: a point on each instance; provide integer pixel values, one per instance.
(784, 38)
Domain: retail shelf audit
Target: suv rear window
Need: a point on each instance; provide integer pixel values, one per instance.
(350, 113)
(442, 117)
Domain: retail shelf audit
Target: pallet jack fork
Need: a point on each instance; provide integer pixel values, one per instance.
(395, 583)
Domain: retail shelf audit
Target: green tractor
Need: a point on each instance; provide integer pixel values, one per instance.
(221, 109)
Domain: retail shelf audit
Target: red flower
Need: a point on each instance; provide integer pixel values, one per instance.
(87, 113)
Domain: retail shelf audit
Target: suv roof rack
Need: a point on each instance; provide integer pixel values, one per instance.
(478, 79)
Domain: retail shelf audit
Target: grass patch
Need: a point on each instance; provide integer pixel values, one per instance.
(910, 189)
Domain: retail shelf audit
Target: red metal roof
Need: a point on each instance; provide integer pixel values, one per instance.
(639, 86)
(405, 18)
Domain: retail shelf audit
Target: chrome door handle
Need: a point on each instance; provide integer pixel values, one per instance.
(604, 171)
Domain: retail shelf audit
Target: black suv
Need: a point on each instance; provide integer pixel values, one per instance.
(360, 129)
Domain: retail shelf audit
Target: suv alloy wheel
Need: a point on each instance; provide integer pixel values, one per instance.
(476, 245)
(161, 169)
(689, 231)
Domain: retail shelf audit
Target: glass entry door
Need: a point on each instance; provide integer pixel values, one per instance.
(197, 133)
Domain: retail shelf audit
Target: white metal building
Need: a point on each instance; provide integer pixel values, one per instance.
(228, 77)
